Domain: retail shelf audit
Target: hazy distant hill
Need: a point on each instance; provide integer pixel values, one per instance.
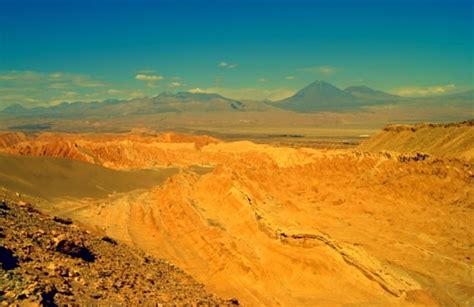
(466, 97)
(366, 93)
(197, 102)
(15, 109)
(165, 102)
(323, 96)
(461, 101)
(318, 96)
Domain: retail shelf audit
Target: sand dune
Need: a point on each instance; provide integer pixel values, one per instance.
(285, 226)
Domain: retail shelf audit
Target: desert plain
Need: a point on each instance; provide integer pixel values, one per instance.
(382, 221)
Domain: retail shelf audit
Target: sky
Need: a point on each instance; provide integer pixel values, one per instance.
(83, 50)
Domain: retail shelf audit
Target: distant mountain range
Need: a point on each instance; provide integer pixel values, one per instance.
(316, 97)
(165, 102)
(323, 96)
(364, 92)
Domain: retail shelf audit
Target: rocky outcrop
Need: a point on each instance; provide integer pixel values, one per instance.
(119, 151)
(8, 139)
(415, 127)
(453, 140)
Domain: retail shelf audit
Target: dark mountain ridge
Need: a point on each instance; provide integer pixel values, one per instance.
(322, 96)
(165, 102)
(365, 92)
(319, 96)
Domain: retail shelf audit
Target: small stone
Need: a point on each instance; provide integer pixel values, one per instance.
(65, 221)
(47, 295)
(25, 293)
(8, 260)
(4, 206)
(109, 240)
(75, 249)
(96, 295)
(234, 301)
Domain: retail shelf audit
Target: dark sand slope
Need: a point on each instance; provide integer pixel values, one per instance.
(49, 177)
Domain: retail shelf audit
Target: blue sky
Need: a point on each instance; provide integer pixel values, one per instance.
(68, 50)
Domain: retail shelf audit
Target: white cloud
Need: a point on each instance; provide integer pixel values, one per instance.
(59, 85)
(113, 91)
(227, 65)
(328, 70)
(425, 91)
(87, 83)
(33, 89)
(263, 80)
(175, 84)
(197, 90)
(248, 93)
(149, 79)
(290, 77)
(324, 70)
(69, 80)
(144, 77)
(41, 89)
(21, 76)
(18, 98)
(53, 80)
(145, 71)
(56, 75)
(136, 94)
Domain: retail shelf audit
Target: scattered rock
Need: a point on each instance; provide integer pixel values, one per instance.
(7, 259)
(47, 262)
(3, 205)
(109, 240)
(65, 221)
(75, 249)
(415, 157)
(234, 301)
(47, 295)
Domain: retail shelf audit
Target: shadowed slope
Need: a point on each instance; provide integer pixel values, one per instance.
(50, 177)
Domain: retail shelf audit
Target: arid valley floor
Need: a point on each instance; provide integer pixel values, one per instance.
(386, 222)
